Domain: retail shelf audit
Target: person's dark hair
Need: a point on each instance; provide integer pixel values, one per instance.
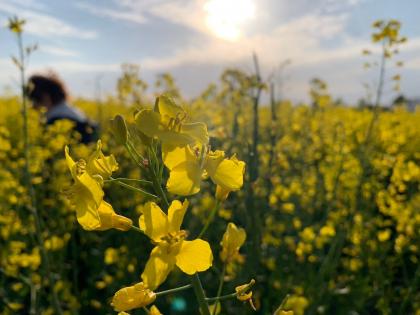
(51, 85)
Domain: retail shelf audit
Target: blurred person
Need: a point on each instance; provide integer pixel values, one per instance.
(49, 93)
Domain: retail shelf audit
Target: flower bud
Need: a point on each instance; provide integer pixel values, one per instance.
(121, 223)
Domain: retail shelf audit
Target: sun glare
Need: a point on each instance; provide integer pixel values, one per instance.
(226, 18)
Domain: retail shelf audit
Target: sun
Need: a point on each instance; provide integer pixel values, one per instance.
(226, 18)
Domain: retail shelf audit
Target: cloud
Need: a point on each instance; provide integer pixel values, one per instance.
(58, 51)
(40, 23)
(188, 13)
(115, 14)
(299, 40)
(77, 67)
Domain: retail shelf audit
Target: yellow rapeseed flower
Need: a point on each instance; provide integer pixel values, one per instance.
(244, 293)
(189, 166)
(132, 297)
(92, 212)
(171, 247)
(16, 25)
(167, 123)
(233, 239)
(99, 164)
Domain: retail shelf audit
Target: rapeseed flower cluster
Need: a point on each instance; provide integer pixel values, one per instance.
(186, 153)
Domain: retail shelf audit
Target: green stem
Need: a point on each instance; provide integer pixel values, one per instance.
(159, 190)
(135, 228)
(132, 147)
(220, 288)
(199, 293)
(136, 189)
(210, 218)
(28, 179)
(154, 170)
(142, 181)
(130, 150)
(234, 294)
(221, 298)
(283, 303)
(174, 290)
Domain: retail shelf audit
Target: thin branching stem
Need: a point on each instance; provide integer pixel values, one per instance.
(210, 219)
(174, 290)
(220, 288)
(28, 178)
(199, 293)
(136, 189)
(123, 179)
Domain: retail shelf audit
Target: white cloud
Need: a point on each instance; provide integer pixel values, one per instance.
(58, 51)
(299, 40)
(40, 23)
(115, 14)
(76, 67)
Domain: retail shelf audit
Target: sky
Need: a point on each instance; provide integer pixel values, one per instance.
(195, 40)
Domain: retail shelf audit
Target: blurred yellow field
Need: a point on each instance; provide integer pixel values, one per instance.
(231, 202)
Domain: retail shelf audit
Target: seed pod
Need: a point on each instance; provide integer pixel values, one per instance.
(119, 129)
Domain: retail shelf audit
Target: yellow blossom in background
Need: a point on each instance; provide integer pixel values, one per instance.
(171, 247)
(384, 235)
(132, 297)
(111, 256)
(232, 241)
(16, 25)
(297, 304)
(167, 123)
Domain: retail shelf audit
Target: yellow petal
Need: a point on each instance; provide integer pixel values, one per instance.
(110, 220)
(244, 293)
(166, 106)
(194, 256)
(158, 267)
(155, 311)
(198, 131)
(132, 297)
(99, 164)
(148, 122)
(185, 179)
(174, 137)
(70, 163)
(221, 193)
(173, 155)
(214, 158)
(185, 173)
(176, 214)
(153, 222)
(86, 195)
(233, 239)
(229, 174)
(152, 124)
